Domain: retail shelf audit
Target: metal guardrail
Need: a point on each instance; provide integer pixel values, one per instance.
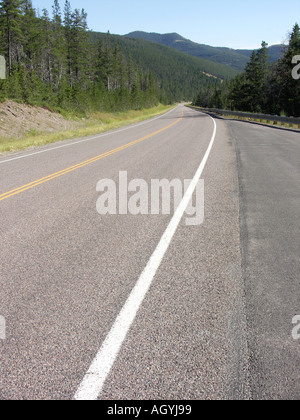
(269, 119)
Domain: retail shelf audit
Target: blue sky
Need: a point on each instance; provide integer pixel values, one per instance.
(226, 23)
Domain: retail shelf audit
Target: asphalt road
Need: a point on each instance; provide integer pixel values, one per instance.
(216, 319)
(269, 173)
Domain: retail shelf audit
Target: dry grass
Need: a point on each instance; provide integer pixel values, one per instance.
(96, 123)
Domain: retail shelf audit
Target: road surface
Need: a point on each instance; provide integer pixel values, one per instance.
(124, 306)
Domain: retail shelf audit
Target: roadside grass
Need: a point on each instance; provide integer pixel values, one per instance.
(95, 123)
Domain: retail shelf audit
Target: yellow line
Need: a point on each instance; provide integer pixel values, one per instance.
(82, 164)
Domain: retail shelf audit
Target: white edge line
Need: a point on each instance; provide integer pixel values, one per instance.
(86, 139)
(93, 382)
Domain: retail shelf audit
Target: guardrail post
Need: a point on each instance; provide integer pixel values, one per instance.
(270, 119)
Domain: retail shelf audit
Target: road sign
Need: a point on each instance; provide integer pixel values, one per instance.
(2, 67)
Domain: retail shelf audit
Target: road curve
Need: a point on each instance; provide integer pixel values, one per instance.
(200, 330)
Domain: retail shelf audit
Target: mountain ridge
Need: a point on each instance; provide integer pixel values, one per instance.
(179, 75)
(237, 59)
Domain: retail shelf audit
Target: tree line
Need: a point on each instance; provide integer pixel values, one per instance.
(262, 87)
(53, 61)
(180, 75)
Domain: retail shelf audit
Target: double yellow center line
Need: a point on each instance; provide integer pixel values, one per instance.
(82, 164)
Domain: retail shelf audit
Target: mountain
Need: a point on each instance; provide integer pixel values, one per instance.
(237, 59)
(275, 52)
(180, 75)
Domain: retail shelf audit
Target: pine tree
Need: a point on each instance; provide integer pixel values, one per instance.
(10, 22)
(58, 46)
(30, 34)
(46, 45)
(68, 37)
(256, 78)
(79, 44)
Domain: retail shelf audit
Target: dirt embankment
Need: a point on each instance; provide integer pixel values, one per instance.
(17, 120)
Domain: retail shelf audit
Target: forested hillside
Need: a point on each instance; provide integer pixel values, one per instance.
(275, 52)
(262, 87)
(237, 59)
(177, 73)
(222, 56)
(219, 69)
(53, 61)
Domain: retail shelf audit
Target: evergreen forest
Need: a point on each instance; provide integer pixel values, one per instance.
(263, 87)
(52, 60)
